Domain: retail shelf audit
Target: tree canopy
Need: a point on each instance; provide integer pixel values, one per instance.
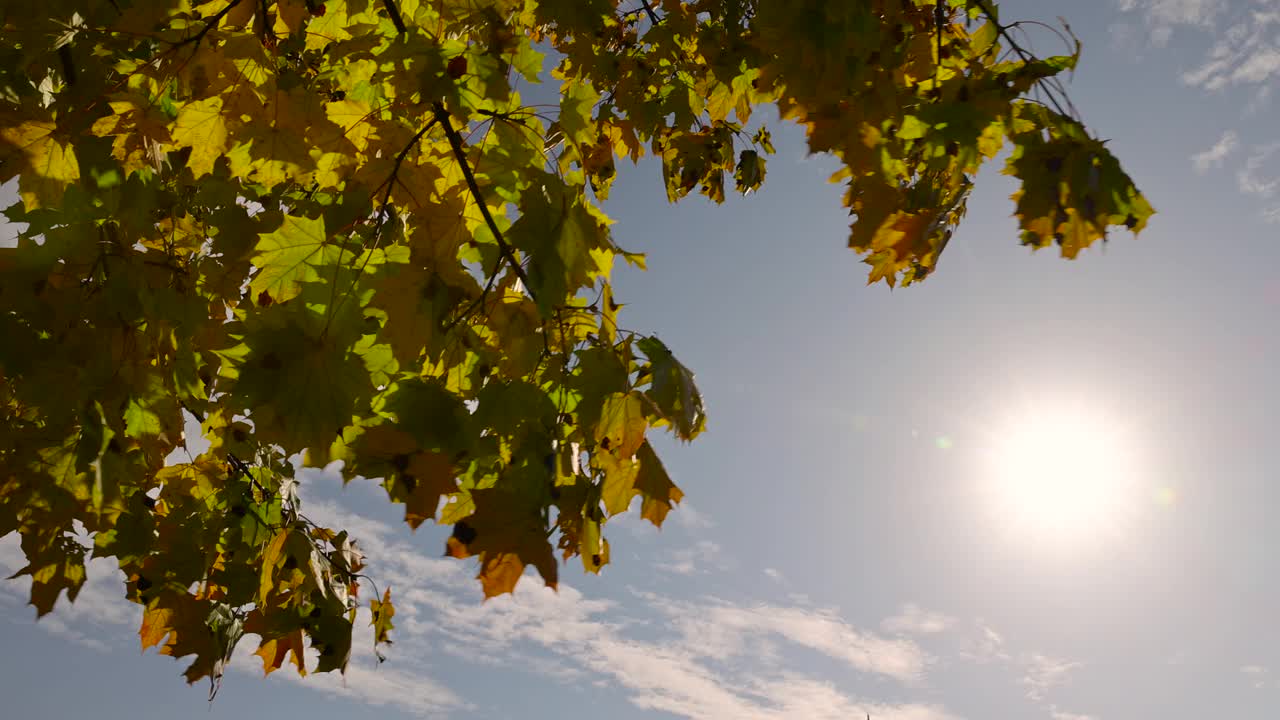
(334, 230)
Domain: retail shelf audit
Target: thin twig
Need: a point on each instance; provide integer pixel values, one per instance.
(1026, 57)
(395, 169)
(383, 212)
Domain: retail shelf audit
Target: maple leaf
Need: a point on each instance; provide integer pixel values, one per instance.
(653, 483)
(381, 612)
(56, 568)
(44, 164)
(507, 532)
(428, 477)
(275, 651)
(201, 126)
(673, 391)
(294, 253)
(304, 380)
(620, 431)
(338, 229)
(183, 625)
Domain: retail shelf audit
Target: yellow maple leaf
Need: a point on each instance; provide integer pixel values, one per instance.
(201, 126)
(274, 652)
(45, 165)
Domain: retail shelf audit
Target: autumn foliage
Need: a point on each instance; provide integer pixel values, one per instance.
(334, 230)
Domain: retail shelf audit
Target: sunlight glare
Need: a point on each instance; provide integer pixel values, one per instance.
(1063, 477)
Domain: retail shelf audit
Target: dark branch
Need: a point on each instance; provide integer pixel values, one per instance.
(383, 212)
(648, 10)
(395, 170)
(1026, 57)
(209, 25)
(459, 153)
(396, 19)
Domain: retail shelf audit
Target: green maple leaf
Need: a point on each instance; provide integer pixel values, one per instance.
(673, 390)
(294, 253)
(337, 228)
(299, 374)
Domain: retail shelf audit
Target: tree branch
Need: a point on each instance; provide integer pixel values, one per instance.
(1026, 57)
(383, 211)
(209, 25)
(396, 19)
(648, 10)
(395, 170)
(459, 153)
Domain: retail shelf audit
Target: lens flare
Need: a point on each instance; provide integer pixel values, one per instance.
(1062, 477)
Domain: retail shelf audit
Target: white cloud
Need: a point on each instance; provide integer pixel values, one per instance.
(915, 620)
(699, 658)
(1043, 673)
(693, 559)
(1214, 156)
(1175, 12)
(687, 517)
(707, 659)
(1259, 675)
(1057, 714)
(987, 647)
(774, 574)
(1254, 177)
(1246, 53)
(1161, 17)
(722, 631)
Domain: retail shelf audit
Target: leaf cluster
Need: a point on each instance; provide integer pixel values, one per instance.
(334, 230)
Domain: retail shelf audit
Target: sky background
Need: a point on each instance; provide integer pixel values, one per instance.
(840, 551)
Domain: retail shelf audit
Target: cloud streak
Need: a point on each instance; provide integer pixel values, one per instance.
(1216, 155)
(915, 620)
(1043, 673)
(700, 658)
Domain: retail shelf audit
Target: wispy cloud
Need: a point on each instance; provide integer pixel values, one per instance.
(1259, 675)
(1255, 177)
(698, 657)
(915, 620)
(698, 557)
(1175, 12)
(1043, 673)
(690, 518)
(1057, 714)
(1247, 52)
(721, 631)
(1244, 55)
(1160, 17)
(988, 646)
(1214, 156)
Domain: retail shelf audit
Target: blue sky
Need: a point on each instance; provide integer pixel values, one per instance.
(848, 544)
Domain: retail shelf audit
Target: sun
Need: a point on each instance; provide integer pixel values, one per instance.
(1062, 476)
